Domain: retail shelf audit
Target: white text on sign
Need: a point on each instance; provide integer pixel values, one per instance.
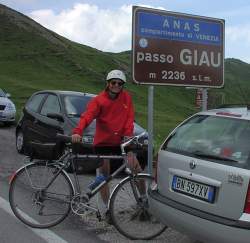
(186, 57)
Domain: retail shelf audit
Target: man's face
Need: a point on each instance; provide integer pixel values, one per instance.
(115, 85)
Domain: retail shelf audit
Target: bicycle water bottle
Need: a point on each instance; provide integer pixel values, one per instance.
(98, 180)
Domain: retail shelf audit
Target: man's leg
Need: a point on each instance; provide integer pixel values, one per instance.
(133, 162)
(135, 166)
(105, 170)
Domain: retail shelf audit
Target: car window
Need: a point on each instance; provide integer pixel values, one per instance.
(2, 94)
(51, 105)
(35, 101)
(75, 105)
(217, 137)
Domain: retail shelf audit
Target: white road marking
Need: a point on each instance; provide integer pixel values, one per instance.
(45, 234)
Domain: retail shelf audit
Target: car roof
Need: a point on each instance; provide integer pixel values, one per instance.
(241, 112)
(66, 92)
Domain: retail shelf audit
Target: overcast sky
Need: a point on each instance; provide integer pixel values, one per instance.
(106, 24)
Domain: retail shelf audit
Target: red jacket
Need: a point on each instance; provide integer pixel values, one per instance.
(114, 118)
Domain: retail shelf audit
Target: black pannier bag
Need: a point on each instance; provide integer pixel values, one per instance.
(43, 151)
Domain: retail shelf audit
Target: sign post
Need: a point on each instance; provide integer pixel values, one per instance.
(150, 127)
(175, 49)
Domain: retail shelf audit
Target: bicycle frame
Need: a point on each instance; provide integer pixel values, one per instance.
(91, 193)
(123, 156)
(70, 160)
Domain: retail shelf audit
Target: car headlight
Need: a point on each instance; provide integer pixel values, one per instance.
(10, 107)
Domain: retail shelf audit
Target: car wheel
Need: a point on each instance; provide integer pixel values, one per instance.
(20, 142)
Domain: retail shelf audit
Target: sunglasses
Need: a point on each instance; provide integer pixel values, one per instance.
(116, 82)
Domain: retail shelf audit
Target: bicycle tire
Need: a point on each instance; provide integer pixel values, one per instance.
(34, 206)
(129, 215)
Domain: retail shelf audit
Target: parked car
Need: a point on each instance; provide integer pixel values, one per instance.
(203, 170)
(7, 108)
(49, 112)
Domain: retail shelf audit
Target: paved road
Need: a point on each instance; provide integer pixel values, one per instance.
(73, 229)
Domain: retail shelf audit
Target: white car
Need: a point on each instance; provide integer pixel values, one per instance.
(203, 177)
(7, 108)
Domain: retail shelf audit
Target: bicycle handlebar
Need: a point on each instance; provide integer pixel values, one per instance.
(67, 138)
(64, 138)
(134, 138)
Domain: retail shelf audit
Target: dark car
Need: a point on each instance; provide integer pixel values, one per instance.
(47, 113)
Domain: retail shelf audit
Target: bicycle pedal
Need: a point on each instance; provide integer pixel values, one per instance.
(78, 205)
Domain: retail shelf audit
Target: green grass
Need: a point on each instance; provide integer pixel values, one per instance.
(33, 58)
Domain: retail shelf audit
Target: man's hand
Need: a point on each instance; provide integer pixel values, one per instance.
(76, 138)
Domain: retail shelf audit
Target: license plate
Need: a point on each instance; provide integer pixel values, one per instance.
(193, 188)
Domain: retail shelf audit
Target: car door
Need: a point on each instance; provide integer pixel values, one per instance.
(30, 116)
(46, 127)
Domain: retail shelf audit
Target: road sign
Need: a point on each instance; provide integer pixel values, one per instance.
(177, 49)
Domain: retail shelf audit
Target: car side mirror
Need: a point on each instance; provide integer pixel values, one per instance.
(8, 95)
(56, 116)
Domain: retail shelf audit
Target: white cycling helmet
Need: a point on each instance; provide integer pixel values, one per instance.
(116, 74)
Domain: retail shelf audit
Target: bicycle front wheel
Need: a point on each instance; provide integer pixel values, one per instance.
(34, 205)
(130, 211)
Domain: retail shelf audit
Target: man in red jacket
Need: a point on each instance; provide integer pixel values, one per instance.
(114, 114)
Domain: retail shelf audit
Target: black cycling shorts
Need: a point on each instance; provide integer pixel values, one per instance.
(107, 150)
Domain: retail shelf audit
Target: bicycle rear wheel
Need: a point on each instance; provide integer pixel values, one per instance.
(129, 209)
(32, 204)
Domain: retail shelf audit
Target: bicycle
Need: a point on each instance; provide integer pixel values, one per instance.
(42, 194)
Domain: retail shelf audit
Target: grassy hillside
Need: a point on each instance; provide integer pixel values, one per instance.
(34, 58)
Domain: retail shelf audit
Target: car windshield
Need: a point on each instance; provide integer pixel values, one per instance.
(220, 139)
(76, 104)
(2, 94)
